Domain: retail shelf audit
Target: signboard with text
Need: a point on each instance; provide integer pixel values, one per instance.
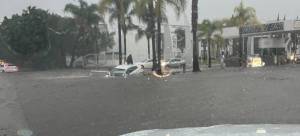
(271, 27)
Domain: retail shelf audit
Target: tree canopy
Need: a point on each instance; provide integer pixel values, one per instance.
(26, 34)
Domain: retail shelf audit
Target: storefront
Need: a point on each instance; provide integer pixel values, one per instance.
(276, 42)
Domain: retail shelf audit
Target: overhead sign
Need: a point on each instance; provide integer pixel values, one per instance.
(271, 43)
(272, 27)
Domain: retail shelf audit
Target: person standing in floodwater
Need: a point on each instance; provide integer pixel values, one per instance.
(129, 60)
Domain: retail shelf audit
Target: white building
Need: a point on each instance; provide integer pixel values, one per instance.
(275, 41)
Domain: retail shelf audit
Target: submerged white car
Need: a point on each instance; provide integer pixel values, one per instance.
(126, 70)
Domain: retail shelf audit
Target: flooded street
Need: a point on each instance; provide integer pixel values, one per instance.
(79, 103)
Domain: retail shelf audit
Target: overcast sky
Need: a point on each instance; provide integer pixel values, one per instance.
(212, 9)
(208, 9)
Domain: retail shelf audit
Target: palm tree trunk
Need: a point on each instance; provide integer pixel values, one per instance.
(241, 46)
(125, 45)
(159, 36)
(205, 51)
(218, 50)
(196, 67)
(152, 22)
(209, 54)
(97, 46)
(72, 56)
(148, 41)
(120, 40)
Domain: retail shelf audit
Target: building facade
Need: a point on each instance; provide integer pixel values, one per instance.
(276, 42)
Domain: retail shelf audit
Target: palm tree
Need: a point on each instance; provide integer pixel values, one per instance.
(115, 8)
(219, 41)
(127, 25)
(244, 16)
(86, 17)
(207, 30)
(160, 6)
(196, 67)
(145, 11)
(144, 32)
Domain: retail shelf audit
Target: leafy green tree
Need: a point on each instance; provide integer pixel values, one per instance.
(27, 34)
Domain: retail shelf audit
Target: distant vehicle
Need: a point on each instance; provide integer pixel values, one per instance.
(174, 63)
(2, 62)
(297, 58)
(255, 61)
(147, 64)
(8, 67)
(126, 70)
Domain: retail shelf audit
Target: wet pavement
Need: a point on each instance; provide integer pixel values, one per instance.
(77, 103)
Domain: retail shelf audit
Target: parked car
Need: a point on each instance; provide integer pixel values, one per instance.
(126, 70)
(147, 64)
(8, 67)
(233, 61)
(255, 61)
(174, 63)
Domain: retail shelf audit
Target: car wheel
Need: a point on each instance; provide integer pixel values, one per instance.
(2, 71)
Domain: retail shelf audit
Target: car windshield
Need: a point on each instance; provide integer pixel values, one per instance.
(149, 67)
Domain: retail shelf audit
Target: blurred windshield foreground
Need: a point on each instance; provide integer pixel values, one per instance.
(228, 130)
